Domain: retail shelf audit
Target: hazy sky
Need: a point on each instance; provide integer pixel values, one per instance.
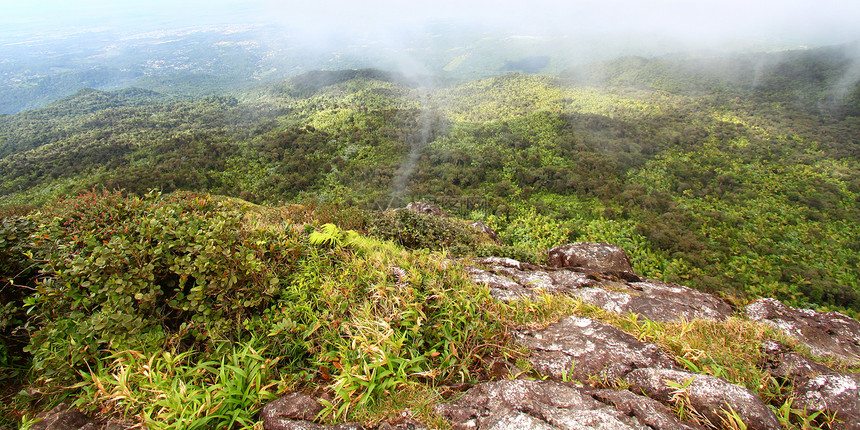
(753, 21)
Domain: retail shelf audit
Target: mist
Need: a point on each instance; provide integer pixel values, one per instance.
(707, 24)
(252, 41)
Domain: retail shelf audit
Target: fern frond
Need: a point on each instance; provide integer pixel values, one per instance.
(329, 237)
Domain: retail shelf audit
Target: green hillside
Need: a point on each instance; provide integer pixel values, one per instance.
(743, 183)
(736, 188)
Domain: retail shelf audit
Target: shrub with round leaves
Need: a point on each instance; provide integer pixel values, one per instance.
(122, 271)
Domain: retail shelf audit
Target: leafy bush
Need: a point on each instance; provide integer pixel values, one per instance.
(189, 287)
(143, 272)
(16, 271)
(416, 231)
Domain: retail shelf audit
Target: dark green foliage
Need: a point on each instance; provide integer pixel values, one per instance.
(417, 231)
(17, 274)
(309, 83)
(143, 272)
(458, 237)
(682, 158)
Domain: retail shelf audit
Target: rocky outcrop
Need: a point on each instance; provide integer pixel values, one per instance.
(819, 388)
(599, 355)
(782, 362)
(651, 412)
(519, 404)
(826, 334)
(655, 300)
(620, 292)
(62, 417)
(594, 257)
(501, 287)
(426, 208)
(585, 350)
(710, 397)
(293, 411)
(837, 393)
(297, 411)
(65, 417)
(489, 232)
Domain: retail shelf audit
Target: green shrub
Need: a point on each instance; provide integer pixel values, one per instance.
(193, 278)
(16, 272)
(130, 272)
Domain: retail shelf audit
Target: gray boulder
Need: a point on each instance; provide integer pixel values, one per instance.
(501, 287)
(519, 404)
(61, 417)
(297, 411)
(426, 208)
(596, 257)
(834, 392)
(581, 349)
(782, 362)
(710, 397)
(283, 413)
(509, 279)
(651, 412)
(65, 417)
(826, 334)
(655, 300)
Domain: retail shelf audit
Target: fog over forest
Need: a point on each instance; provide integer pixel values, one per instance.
(708, 23)
(209, 208)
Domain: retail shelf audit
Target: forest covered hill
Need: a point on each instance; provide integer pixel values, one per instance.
(747, 180)
(737, 176)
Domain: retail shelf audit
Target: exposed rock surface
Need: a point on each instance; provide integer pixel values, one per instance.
(426, 208)
(509, 279)
(706, 394)
(829, 334)
(522, 404)
(649, 411)
(484, 228)
(784, 363)
(297, 411)
(834, 392)
(501, 287)
(285, 411)
(64, 417)
(583, 349)
(655, 300)
(819, 388)
(596, 257)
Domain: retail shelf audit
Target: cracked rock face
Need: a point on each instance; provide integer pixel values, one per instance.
(834, 392)
(651, 412)
(65, 417)
(659, 301)
(782, 362)
(501, 287)
(62, 417)
(293, 411)
(581, 349)
(596, 257)
(828, 334)
(706, 394)
(503, 405)
(296, 411)
(655, 300)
